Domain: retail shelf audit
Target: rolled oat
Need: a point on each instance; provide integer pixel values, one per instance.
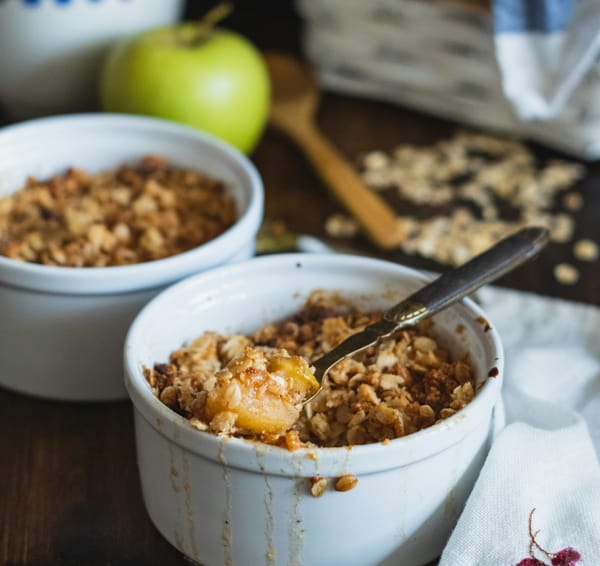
(341, 226)
(586, 250)
(566, 274)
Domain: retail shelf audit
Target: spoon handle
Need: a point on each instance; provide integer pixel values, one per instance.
(441, 293)
(457, 283)
(377, 219)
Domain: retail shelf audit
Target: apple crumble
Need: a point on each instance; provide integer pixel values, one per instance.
(133, 214)
(401, 385)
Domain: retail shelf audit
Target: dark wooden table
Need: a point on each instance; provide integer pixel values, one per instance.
(69, 491)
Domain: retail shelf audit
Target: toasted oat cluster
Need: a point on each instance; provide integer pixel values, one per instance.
(131, 215)
(402, 385)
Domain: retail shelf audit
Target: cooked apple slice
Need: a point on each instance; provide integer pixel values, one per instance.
(263, 393)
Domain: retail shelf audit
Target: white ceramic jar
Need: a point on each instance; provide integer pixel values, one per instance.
(51, 50)
(62, 329)
(240, 503)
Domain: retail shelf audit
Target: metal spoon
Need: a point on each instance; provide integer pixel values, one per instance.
(439, 294)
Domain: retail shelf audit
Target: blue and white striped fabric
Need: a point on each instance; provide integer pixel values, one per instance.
(544, 49)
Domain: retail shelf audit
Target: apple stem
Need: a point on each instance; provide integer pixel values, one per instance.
(210, 20)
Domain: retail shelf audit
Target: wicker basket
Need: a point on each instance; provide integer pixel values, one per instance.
(436, 56)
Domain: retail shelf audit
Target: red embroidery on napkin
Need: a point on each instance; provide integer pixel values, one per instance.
(566, 557)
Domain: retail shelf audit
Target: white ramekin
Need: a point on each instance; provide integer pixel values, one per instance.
(62, 329)
(230, 501)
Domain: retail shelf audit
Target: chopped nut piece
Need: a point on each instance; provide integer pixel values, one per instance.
(346, 482)
(566, 274)
(445, 413)
(386, 415)
(318, 486)
(169, 396)
(462, 395)
(427, 414)
(586, 250)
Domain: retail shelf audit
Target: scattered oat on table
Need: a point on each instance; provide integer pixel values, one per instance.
(586, 250)
(341, 226)
(566, 274)
(487, 173)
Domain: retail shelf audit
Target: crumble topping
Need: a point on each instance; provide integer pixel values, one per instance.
(401, 385)
(134, 214)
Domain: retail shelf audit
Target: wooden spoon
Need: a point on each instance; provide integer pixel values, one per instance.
(293, 108)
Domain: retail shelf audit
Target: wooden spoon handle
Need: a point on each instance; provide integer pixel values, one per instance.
(371, 212)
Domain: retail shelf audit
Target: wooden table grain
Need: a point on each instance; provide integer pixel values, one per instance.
(69, 490)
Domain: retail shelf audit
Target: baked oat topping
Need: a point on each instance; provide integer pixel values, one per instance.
(401, 385)
(134, 214)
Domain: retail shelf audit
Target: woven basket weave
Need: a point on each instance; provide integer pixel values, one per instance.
(436, 56)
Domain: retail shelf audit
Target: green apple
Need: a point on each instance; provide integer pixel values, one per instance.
(212, 79)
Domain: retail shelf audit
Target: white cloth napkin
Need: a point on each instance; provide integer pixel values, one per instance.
(545, 458)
